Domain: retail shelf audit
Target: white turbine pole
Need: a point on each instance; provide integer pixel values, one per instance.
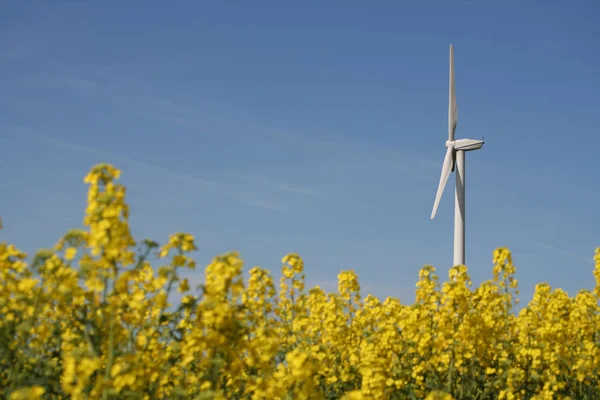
(459, 210)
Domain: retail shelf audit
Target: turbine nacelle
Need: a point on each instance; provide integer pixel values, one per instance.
(467, 144)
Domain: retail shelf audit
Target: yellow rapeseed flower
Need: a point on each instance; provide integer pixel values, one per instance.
(98, 316)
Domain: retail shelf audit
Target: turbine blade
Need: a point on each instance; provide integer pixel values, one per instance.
(452, 109)
(446, 168)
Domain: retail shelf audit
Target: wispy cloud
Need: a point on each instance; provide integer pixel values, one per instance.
(288, 187)
(138, 98)
(575, 256)
(228, 189)
(82, 84)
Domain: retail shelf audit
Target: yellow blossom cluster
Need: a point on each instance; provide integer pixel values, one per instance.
(91, 318)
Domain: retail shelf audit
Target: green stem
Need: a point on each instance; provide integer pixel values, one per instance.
(111, 335)
(111, 343)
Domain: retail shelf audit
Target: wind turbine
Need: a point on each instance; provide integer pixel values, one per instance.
(455, 159)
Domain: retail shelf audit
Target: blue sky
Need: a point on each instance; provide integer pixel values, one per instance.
(310, 127)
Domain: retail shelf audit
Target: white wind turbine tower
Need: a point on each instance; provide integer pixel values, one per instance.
(455, 157)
